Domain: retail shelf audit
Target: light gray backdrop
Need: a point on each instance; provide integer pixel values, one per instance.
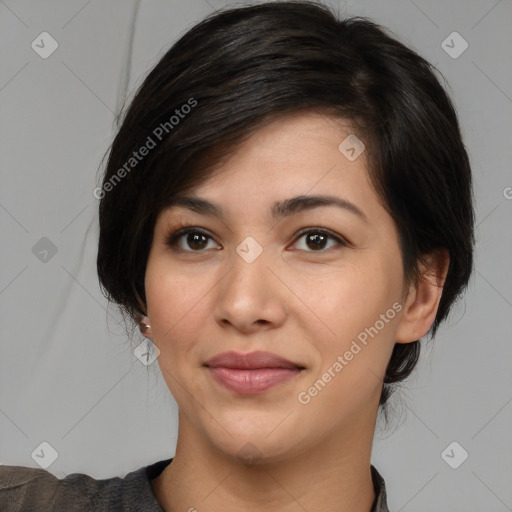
(70, 379)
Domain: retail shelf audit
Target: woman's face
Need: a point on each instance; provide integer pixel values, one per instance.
(256, 277)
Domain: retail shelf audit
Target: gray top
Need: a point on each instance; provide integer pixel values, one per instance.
(37, 490)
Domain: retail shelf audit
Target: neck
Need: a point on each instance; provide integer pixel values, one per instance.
(334, 476)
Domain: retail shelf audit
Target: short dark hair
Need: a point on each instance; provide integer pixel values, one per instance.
(244, 67)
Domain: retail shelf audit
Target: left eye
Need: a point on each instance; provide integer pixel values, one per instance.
(317, 239)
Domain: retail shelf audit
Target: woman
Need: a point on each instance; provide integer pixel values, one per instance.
(286, 211)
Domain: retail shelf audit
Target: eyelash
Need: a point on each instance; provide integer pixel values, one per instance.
(174, 237)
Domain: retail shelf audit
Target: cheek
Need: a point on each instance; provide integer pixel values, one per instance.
(175, 306)
(170, 288)
(352, 297)
(178, 302)
(352, 356)
(358, 307)
(176, 315)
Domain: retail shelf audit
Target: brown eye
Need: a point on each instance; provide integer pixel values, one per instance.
(189, 240)
(316, 240)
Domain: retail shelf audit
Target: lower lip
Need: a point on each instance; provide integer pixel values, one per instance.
(251, 382)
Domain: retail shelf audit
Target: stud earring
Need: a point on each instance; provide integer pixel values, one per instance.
(144, 324)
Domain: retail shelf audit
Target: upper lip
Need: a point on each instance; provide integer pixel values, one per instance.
(252, 360)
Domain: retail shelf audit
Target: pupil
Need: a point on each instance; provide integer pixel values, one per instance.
(318, 239)
(193, 240)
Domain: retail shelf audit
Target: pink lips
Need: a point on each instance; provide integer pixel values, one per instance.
(251, 373)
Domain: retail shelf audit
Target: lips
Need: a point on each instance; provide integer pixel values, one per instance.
(251, 373)
(250, 361)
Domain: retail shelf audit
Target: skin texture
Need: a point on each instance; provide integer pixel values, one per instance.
(300, 301)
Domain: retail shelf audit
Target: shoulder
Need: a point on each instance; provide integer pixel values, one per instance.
(33, 490)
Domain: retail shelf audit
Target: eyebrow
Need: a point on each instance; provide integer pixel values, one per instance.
(279, 209)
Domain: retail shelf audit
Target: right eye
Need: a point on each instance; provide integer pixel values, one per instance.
(195, 239)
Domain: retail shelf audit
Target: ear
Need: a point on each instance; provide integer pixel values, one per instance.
(144, 325)
(423, 298)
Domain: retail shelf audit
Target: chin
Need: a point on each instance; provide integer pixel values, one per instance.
(252, 446)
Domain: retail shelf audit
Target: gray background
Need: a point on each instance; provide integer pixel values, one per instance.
(68, 375)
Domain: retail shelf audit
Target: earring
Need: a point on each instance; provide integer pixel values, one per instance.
(144, 324)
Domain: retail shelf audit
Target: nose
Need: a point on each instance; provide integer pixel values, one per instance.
(250, 297)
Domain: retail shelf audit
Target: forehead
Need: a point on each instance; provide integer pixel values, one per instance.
(299, 154)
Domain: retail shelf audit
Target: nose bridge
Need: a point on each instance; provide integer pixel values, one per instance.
(247, 295)
(249, 264)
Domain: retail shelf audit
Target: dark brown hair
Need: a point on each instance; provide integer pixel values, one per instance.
(242, 68)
